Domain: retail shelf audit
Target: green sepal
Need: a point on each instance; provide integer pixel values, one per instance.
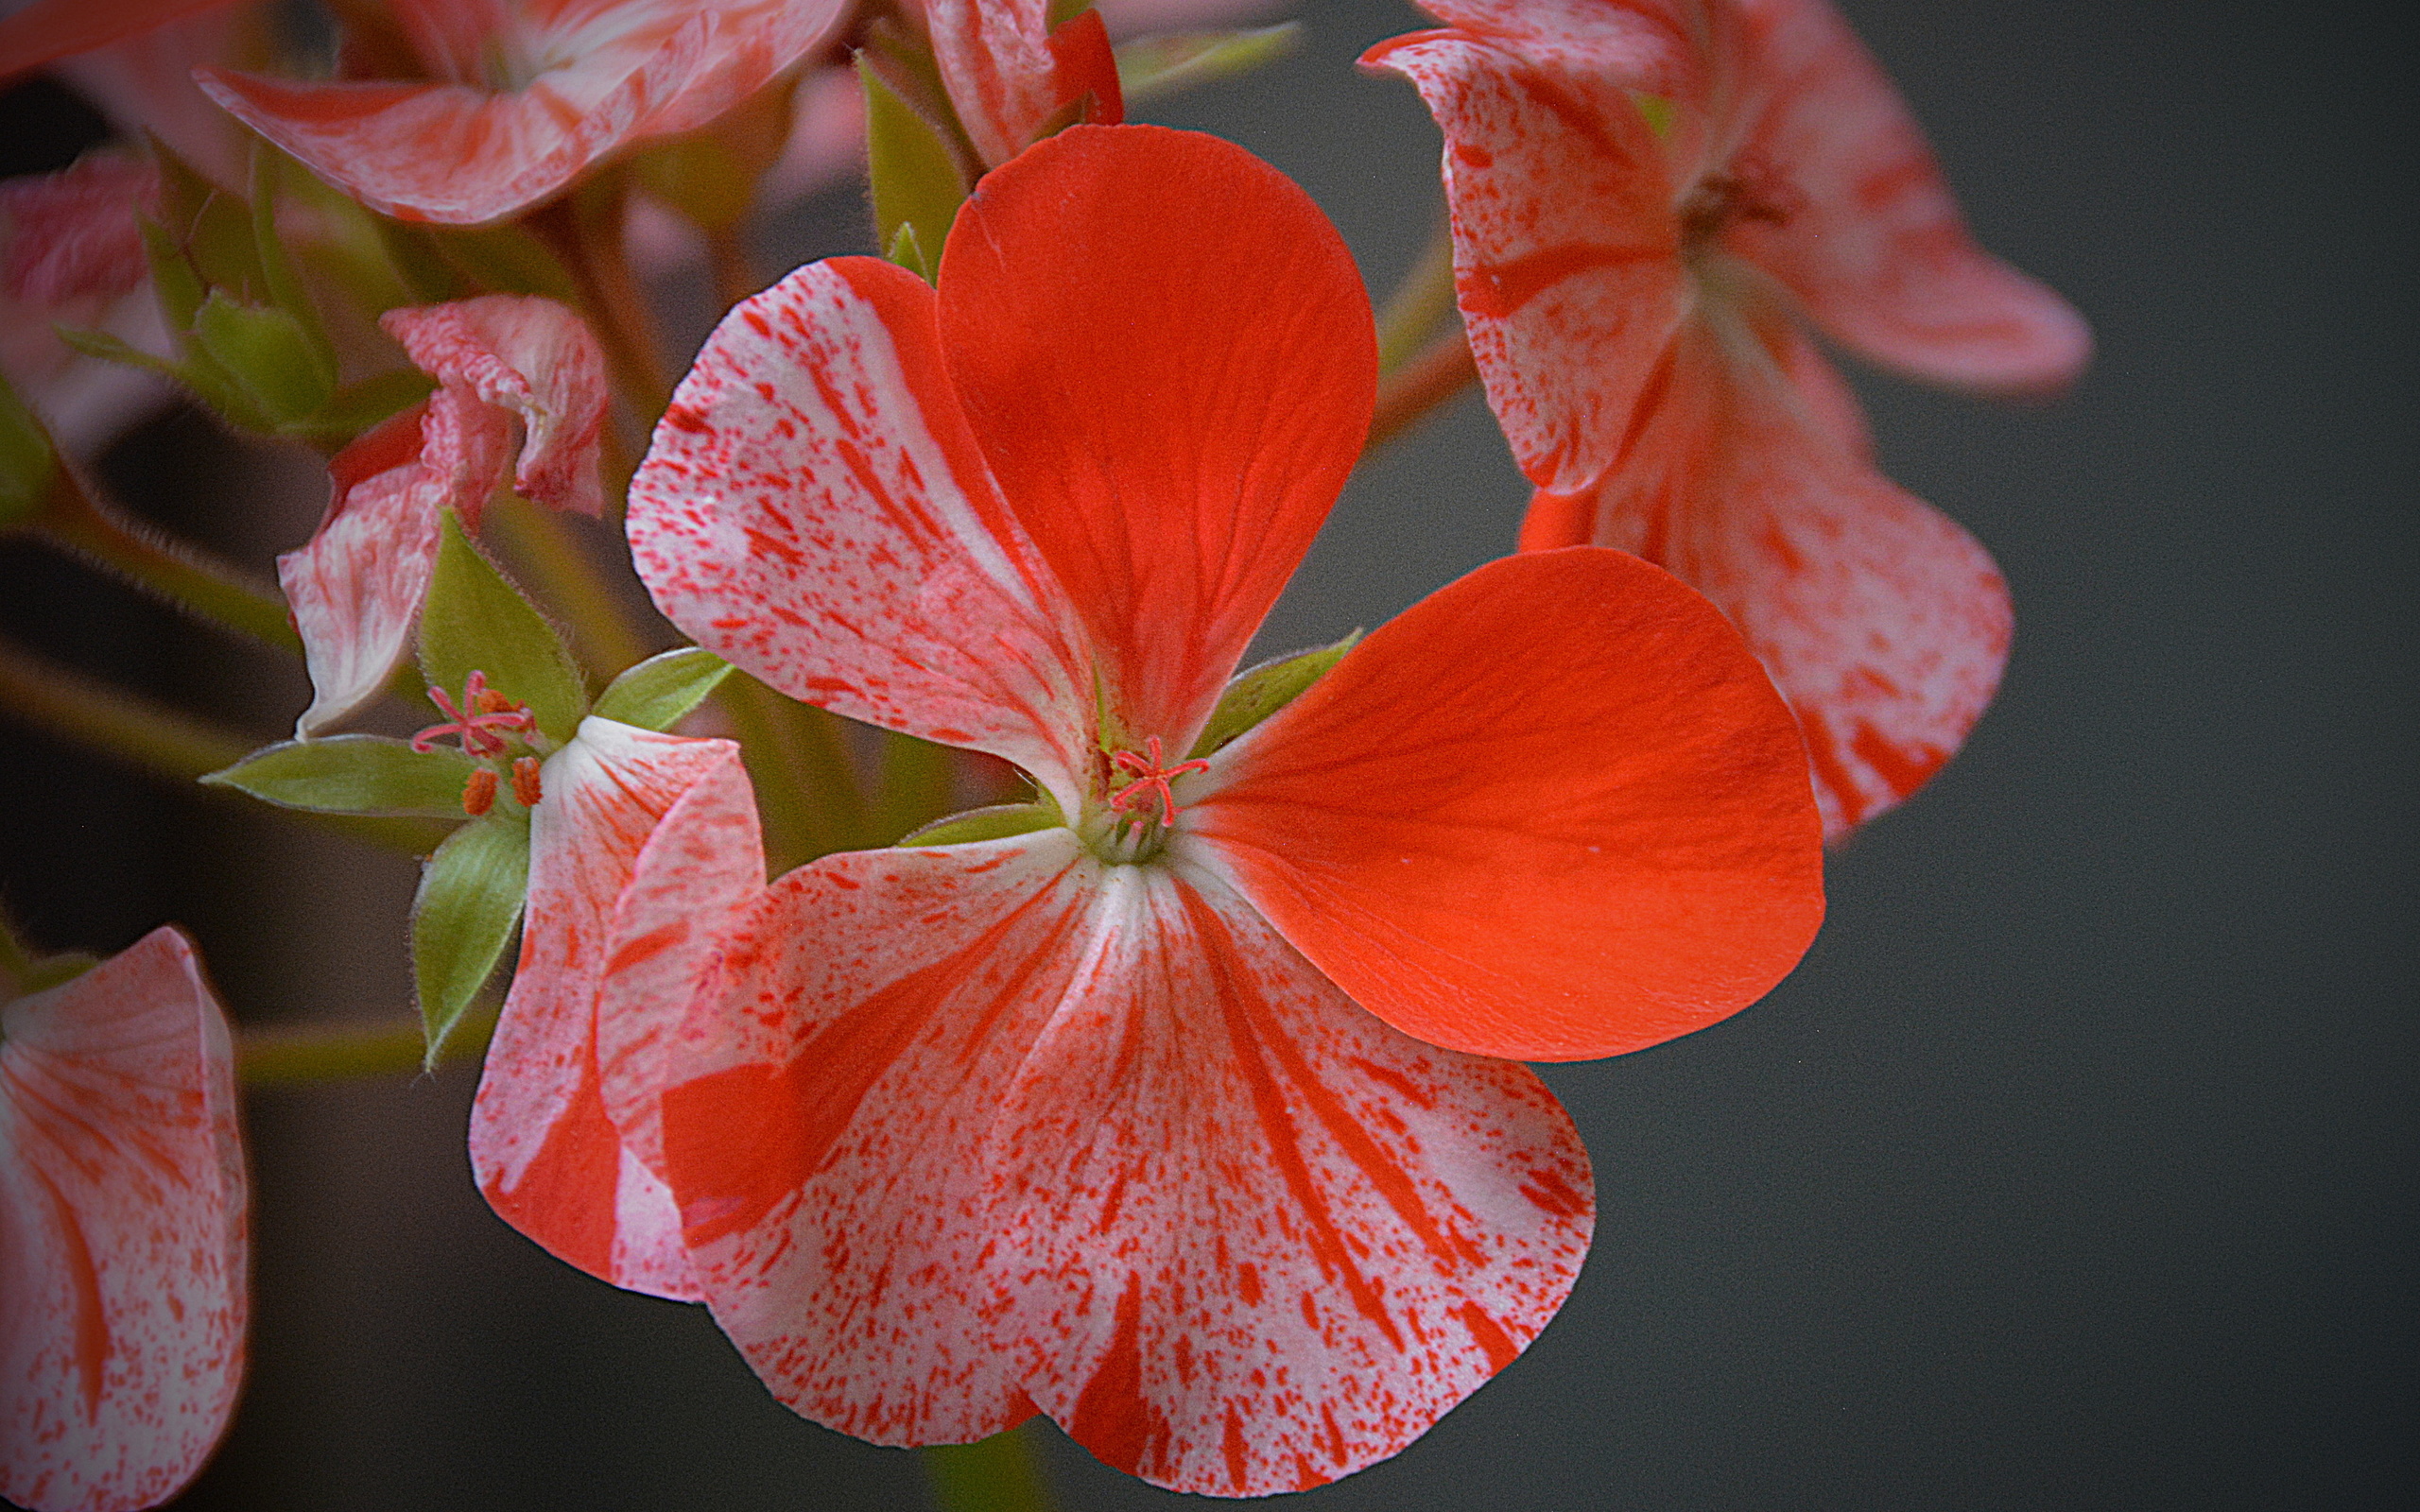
(999, 822)
(1063, 11)
(267, 352)
(1657, 110)
(657, 691)
(1150, 67)
(1264, 690)
(471, 896)
(179, 287)
(211, 229)
(27, 464)
(199, 375)
(56, 971)
(476, 621)
(915, 177)
(278, 281)
(358, 407)
(354, 774)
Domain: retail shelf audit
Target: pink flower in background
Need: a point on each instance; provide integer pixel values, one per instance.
(503, 361)
(1647, 200)
(523, 96)
(122, 1233)
(1176, 1113)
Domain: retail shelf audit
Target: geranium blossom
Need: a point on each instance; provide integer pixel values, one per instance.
(1647, 196)
(520, 96)
(1176, 1115)
(502, 360)
(122, 1233)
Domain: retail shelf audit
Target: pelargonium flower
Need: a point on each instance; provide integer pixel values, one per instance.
(522, 96)
(636, 837)
(1648, 196)
(122, 1232)
(1174, 1109)
(502, 361)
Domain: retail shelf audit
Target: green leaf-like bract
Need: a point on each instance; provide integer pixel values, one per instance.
(656, 692)
(997, 822)
(27, 461)
(1264, 690)
(470, 895)
(915, 177)
(354, 774)
(477, 621)
(267, 352)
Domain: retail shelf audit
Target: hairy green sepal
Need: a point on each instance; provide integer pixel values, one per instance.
(1264, 690)
(476, 621)
(657, 691)
(997, 822)
(470, 895)
(354, 774)
(915, 175)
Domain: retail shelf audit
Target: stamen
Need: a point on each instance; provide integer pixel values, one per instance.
(526, 788)
(490, 710)
(478, 794)
(1150, 779)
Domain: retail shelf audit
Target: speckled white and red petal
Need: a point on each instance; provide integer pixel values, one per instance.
(534, 359)
(622, 808)
(122, 1233)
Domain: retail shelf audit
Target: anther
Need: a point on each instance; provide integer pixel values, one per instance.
(526, 789)
(1150, 779)
(478, 794)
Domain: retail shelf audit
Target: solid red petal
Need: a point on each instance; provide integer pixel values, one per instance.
(48, 30)
(823, 1119)
(1873, 242)
(1884, 624)
(543, 1147)
(1553, 811)
(122, 1233)
(1167, 356)
(1085, 68)
(1567, 248)
(1256, 1239)
(534, 358)
(356, 588)
(814, 509)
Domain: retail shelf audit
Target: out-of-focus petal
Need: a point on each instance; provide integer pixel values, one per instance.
(1884, 624)
(1871, 242)
(1566, 248)
(543, 1147)
(74, 234)
(356, 586)
(815, 510)
(1257, 1240)
(122, 1233)
(1171, 402)
(145, 83)
(48, 30)
(1553, 811)
(994, 57)
(824, 1120)
(535, 358)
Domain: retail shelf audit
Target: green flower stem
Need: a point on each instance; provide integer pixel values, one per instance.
(1422, 302)
(1442, 370)
(300, 1055)
(74, 517)
(166, 744)
(1000, 1475)
(584, 230)
(806, 792)
(570, 582)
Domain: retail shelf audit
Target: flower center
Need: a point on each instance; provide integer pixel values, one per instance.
(1139, 812)
(482, 720)
(1750, 191)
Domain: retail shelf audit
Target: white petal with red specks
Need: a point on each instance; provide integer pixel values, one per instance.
(546, 1151)
(1872, 243)
(534, 358)
(1567, 249)
(994, 57)
(815, 510)
(1256, 1239)
(823, 1119)
(355, 589)
(1884, 624)
(122, 1233)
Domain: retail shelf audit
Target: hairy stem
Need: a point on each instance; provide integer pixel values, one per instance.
(1442, 370)
(998, 1475)
(298, 1055)
(74, 517)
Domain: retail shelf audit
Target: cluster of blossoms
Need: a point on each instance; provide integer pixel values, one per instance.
(1179, 1096)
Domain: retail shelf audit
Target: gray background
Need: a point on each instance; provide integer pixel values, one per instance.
(2072, 1169)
